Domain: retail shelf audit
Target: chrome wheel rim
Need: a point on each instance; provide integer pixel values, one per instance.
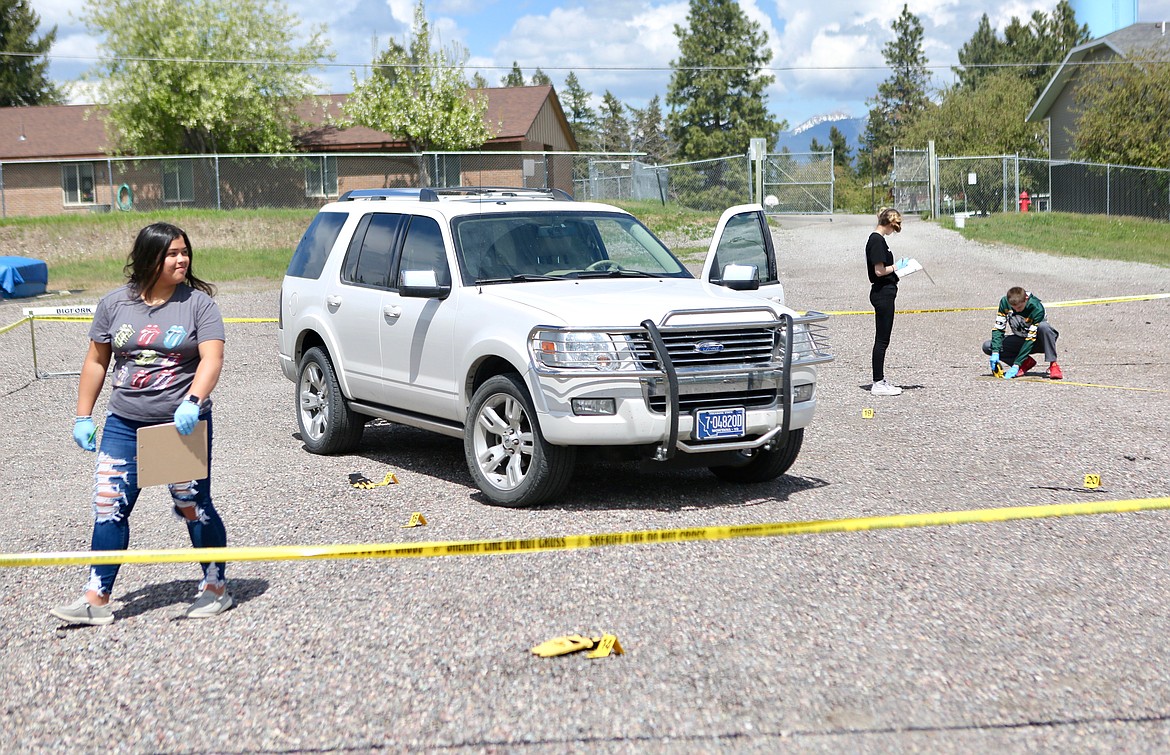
(503, 441)
(313, 394)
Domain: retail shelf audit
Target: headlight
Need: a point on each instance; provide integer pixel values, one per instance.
(809, 342)
(566, 349)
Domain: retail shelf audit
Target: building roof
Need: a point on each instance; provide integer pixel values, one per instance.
(52, 132)
(1133, 39)
(77, 131)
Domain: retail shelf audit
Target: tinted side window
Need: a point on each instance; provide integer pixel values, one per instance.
(424, 250)
(309, 258)
(375, 256)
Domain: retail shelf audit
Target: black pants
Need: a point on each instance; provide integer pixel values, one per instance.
(882, 300)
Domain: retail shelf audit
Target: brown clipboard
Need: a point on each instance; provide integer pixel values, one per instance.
(164, 456)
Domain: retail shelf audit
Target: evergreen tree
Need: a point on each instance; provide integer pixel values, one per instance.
(649, 133)
(540, 79)
(978, 54)
(841, 149)
(815, 146)
(582, 118)
(515, 77)
(23, 76)
(613, 133)
(717, 86)
(902, 96)
(478, 81)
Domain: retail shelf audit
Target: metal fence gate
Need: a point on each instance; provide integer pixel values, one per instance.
(911, 180)
(801, 182)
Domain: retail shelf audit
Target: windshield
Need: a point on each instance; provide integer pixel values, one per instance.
(504, 248)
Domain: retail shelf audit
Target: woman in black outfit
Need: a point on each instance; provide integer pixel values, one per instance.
(879, 262)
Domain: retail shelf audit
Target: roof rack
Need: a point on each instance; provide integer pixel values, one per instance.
(433, 195)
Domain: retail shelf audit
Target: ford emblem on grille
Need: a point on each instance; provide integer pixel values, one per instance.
(708, 347)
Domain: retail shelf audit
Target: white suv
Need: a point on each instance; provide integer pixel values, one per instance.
(531, 325)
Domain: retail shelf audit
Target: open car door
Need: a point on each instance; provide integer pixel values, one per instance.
(742, 241)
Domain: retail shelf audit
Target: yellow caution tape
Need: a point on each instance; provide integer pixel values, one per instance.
(1049, 381)
(1069, 303)
(10, 326)
(572, 542)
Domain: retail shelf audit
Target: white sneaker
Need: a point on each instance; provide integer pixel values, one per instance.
(883, 387)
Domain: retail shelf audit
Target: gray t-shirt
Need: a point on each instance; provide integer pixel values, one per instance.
(155, 349)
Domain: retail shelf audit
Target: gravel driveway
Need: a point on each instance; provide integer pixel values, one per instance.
(1048, 634)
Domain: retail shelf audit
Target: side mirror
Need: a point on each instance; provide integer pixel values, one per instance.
(422, 284)
(741, 277)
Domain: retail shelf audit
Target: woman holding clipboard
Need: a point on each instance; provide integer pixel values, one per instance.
(165, 335)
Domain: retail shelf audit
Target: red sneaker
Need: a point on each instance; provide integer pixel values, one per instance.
(1027, 364)
(1054, 372)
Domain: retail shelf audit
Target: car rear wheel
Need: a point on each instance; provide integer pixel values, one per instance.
(508, 457)
(763, 465)
(327, 424)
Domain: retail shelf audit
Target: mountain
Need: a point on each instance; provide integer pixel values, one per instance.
(799, 138)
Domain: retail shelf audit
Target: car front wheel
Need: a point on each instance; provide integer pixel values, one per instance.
(508, 457)
(327, 424)
(761, 465)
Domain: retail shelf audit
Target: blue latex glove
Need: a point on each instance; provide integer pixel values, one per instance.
(84, 433)
(994, 361)
(185, 417)
(901, 263)
(1011, 372)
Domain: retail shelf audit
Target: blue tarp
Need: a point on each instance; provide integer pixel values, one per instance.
(22, 276)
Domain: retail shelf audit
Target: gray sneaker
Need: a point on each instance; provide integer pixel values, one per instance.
(81, 611)
(884, 387)
(209, 604)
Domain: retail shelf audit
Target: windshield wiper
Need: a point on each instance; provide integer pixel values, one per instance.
(614, 274)
(520, 278)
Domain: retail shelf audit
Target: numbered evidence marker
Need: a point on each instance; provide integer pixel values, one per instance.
(416, 520)
(1092, 481)
(867, 413)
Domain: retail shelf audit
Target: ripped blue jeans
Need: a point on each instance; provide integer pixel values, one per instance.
(116, 490)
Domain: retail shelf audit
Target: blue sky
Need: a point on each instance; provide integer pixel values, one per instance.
(827, 54)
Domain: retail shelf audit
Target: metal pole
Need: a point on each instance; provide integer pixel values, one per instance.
(1108, 186)
(33, 335)
(218, 204)
(3, 199)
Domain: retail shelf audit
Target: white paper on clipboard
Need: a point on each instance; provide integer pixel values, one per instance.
(164, 456)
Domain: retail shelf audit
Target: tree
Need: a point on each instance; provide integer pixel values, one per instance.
(648, 133)
(1123, 110)
(478, 81)
(841, 149)
(540, 79)
(613, 133)
(902, 96)
(815, 146)
(515, 77)
(172, 82)
(420, 95)
(716, 95)
(986, 121)
(1028, 50)
(582, 118)
(23, 66)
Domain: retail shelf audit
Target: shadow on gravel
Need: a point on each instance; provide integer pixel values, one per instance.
(599, 484)
(182, 592)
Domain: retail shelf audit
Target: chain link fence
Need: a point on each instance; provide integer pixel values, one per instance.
(801, 182)
(910, 180)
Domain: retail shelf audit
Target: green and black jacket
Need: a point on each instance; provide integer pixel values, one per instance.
(1022, 323)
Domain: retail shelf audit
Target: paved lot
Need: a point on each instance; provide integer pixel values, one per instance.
(1022, 636)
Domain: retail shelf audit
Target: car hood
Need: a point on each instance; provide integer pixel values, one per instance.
(625, 302)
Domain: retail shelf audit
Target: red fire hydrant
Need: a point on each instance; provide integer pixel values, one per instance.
(1024, 201)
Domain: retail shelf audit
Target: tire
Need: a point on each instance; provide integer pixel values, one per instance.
(764, 465)
(507, 456)
(327, 424)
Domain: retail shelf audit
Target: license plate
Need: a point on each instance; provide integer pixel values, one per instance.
(712, 424)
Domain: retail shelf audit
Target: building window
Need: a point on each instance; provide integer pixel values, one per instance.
(178, 181)
(77, 183)
(321, 177)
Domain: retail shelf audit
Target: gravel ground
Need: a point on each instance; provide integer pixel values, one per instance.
(1040, 635)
